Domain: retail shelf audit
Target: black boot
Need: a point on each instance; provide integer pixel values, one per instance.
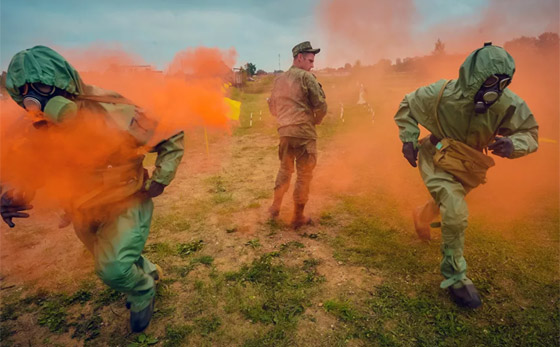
(140, 320)
(465, 296)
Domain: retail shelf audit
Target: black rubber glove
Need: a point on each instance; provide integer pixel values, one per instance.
(503, 146)
(155, 189)
(410, 153)
(11, 207)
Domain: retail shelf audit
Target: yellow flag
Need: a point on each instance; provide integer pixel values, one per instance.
(234, 109)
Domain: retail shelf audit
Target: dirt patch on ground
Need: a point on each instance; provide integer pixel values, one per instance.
(224, 195)
(37, 253)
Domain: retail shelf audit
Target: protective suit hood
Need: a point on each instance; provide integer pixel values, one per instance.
(482, 63)
(41, 64)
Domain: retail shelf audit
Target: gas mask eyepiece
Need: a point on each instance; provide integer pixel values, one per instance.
(490, 91)
(36, 95)
(46, 104)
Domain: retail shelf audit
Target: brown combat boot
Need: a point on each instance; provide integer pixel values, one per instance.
(274, 209)
(299, 219)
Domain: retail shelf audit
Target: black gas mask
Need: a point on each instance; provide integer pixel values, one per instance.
(46, 104)
(490, 92)
(36, 95)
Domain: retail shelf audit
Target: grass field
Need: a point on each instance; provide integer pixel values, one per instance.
(359, 277)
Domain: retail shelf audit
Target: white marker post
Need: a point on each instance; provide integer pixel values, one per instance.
(342, 112)
(260, 115)
(370, 110)
(251, 121)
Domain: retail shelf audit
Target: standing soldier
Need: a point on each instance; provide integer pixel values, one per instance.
(113, 216)
(464, 117)
(298, 103)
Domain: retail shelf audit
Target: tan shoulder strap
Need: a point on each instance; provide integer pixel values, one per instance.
(106, 99)
(437, 106)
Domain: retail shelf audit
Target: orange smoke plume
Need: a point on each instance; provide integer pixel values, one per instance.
(189, 94)
(62, 160)
(371, 155)
(367, 30)
(370, 30)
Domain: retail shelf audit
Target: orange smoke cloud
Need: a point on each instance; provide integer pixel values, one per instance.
(189, 94)
(63, 159)
(367, 30)
(367, 156)
(499, 21)
(373, 30)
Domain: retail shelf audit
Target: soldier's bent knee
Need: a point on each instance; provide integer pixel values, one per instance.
(116, 275)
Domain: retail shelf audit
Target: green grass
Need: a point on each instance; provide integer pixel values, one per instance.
(6, 331)
(108, 296)
(53, 314)
(87, 328)
(224, 286)
(9, 312)
(291, 245)
(60, 313)
(205, 260)
(143, 340)
(186, 249)
(207, 325)
(172, 222)
(253, 243)
(395, 318)
(271, 293)
(176, 335)
(220, 194)
(409, 308)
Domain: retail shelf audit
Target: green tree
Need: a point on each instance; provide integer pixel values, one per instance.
(251, 69)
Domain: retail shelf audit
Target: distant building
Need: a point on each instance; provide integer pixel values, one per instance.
(239, 76)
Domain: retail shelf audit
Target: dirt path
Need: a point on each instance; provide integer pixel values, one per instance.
(38, 256)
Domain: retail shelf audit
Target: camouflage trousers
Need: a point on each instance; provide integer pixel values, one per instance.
(300, 154)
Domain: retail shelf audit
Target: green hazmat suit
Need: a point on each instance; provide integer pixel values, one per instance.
(509, 117)
(113, 219)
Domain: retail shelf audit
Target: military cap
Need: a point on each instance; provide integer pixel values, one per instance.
(304, 47)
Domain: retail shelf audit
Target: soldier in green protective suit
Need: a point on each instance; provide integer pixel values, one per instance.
(477, 110)
(113, 217)
(298, 103)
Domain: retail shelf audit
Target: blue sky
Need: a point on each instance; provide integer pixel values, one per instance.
(156, 30)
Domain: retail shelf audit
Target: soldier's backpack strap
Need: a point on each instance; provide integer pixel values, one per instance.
(110, 99)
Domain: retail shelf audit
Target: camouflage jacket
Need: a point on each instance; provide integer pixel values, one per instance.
(298, 102)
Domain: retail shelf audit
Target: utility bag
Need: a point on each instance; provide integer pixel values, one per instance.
(466, 164)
